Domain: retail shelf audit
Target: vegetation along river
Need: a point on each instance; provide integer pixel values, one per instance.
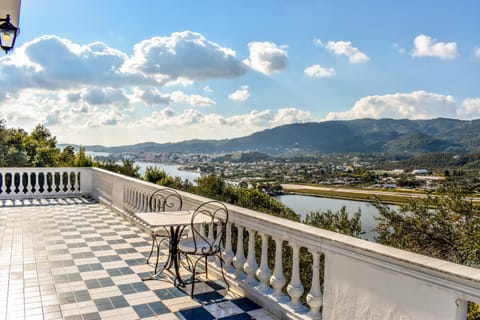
(299, 203)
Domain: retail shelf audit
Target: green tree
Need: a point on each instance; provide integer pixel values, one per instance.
(81, 159)
(260, 201)
(446, 226)
(338, 222)
(41, 148)
(126, 168)
(15, 151)
(66, 157)
(215, 187)
(154, 174)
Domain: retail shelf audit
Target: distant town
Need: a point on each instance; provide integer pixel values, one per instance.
(363, 171)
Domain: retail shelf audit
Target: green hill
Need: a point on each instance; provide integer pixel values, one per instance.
(354, 136)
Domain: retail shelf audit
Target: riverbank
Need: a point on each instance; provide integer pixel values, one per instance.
(351, 194)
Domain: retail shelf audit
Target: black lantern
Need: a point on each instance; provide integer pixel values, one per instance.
(8, 33)
(9, 22)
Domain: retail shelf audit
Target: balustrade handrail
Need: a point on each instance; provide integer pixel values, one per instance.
(38, 182)
(452, 284)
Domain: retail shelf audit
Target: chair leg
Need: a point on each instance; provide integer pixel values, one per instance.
(158, 255)
(206, 267)
(193, 277)
(223, 273)
(151, 250)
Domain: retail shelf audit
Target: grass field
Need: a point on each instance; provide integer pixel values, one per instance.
(348, 194)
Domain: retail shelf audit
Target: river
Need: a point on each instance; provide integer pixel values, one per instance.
(306, 204)
(171, 169)
(298, 203)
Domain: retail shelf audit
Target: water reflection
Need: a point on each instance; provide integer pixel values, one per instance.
(306, 204)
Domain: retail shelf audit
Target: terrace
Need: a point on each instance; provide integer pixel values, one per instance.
(71, 248)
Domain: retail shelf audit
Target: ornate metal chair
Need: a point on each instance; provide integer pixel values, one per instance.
(207, 230)
(162, 200)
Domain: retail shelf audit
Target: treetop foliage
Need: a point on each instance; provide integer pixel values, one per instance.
(445, 226)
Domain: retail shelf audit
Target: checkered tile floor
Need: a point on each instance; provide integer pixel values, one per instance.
(74, 259)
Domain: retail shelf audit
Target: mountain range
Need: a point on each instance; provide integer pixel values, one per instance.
(351, 136)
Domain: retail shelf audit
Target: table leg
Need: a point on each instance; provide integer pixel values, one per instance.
(177, 233)
(172, 259)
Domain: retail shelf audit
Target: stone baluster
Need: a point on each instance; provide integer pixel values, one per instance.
(36, 184)
(250, 267)
(2, 183)
(144, 202)
(33, 183)
(239, 259)
(72, 178)
(68, 183)
(131, 199)
(76, 181)
(315, 297)
(140, 200)
(264, 273)
(228, 252)
(28, 185)
(277, 280)
(201, 229)
(295, 287)
(126, 198)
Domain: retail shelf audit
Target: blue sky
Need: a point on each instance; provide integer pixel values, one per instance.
(121, 72)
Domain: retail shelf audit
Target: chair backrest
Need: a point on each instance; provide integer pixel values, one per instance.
(208, 227)
(165, 200)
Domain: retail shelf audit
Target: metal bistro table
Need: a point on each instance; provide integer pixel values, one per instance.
(174, 222)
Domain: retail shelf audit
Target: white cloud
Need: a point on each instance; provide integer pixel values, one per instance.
(415, 105)
(399, 49)
(253, 120)
(317, 42)
(241, 94)
(317, 71)
(192, 124)
(193, 100)
(477, 53)
(291, 115)
(345, 48)
(426, 46)
(151, 96)
(470, 109)
(104, 96)
(184, 55)
(207, 89)
(266, 57)
(53, 63)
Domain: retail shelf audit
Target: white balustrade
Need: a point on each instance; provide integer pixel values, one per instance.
(239, 259)
(228, 252)
(277, 280)
(264, 273)
(295, 287)
(44, 182)
(315, 297)
(362, 280)
(251, 265)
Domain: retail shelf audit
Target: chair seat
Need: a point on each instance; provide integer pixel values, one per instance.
(200, 247)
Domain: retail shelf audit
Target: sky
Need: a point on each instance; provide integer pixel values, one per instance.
(122, 72)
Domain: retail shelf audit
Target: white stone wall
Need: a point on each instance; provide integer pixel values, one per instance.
(355, 289)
